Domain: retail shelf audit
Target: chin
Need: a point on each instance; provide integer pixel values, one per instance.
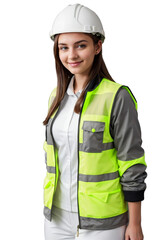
(75, 71)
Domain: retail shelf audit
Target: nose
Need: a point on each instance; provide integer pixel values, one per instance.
(72, 54)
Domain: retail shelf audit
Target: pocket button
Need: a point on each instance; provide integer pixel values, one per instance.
(93, 129)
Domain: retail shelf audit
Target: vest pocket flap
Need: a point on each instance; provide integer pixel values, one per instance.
(100, 196)
(103, 196)
(47, 184)
(93, 126)
(48, 181)
(45, 146)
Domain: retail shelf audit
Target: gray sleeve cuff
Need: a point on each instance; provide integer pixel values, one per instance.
(133, 178)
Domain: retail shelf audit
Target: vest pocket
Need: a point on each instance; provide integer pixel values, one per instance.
(102, 204)
(49, 154)
(48, 187)
(93, 136)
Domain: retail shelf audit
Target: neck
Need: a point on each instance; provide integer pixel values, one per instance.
(79, 82)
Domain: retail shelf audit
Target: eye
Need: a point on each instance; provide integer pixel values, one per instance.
(63, 48)
(81, 46)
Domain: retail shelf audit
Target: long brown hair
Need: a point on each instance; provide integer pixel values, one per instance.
(64, 77)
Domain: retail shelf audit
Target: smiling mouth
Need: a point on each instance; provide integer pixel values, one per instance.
(75, 64)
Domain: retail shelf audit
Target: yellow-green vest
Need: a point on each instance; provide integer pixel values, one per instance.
(101, 203)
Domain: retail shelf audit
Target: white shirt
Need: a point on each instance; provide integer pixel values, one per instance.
(65, 133)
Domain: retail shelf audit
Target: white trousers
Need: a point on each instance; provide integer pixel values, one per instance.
(64, 226)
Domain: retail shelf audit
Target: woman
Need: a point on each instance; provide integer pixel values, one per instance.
(95, 163)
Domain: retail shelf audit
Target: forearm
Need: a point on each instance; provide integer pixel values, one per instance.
(134, 230)
(134, 213)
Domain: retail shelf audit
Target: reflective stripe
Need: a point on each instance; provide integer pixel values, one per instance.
(124, 165)
(104, 223)
(46, 158)
(47, 213)
(107, 146)
(51, 169)
(98, 178)
(48, 134)
(91, 149)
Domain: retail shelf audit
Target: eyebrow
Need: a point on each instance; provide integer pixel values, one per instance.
(74, 43)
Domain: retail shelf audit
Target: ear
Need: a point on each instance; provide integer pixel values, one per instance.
(98, 47)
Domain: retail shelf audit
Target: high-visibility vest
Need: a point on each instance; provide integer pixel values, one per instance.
(101, 203)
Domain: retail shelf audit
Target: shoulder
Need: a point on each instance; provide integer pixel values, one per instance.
(111, 85)
(52, 96)
(125, 96)
(118, 91)
(124, 103)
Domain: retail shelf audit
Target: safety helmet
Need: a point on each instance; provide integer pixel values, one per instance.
(77, 18)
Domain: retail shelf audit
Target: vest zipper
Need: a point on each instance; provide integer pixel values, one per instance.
(79, 226)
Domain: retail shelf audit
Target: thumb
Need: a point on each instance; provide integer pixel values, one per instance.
(127, 237)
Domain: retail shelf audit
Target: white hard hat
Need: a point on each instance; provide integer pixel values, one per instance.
(77, 18)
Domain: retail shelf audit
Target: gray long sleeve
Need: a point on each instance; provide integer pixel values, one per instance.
(126, 132)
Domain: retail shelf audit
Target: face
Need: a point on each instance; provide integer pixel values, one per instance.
(77, 52)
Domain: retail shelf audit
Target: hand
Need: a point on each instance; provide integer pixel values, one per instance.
(133, 232)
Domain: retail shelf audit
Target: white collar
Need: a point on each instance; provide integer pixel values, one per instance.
(70, 90)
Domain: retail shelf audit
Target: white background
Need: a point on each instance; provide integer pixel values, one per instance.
(132, 55)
